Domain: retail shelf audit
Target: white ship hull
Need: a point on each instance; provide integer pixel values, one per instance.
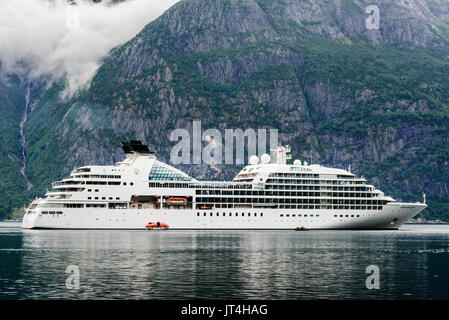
(141, 189)
(392, 216)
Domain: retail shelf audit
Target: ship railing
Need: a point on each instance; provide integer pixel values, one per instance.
(221, 185)
(53, 192)
(67, 183)
(56, 192)
(57, 183)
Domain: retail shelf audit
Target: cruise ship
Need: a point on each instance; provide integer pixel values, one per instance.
(268, 193)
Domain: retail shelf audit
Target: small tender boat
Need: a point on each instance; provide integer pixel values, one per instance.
(156, 226)
(301, 229)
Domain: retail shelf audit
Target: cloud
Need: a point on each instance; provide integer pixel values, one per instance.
(54, 39)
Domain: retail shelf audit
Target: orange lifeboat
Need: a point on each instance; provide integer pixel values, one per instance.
(177, 201)
(156, 226)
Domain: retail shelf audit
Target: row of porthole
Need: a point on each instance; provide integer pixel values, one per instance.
(299, 215)
(346, 216)
(103, 198)
(97, 190)
(230, 214)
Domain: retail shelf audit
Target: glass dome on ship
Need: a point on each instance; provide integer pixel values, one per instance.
(268, 193)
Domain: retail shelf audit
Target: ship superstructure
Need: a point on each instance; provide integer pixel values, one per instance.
(268, 193)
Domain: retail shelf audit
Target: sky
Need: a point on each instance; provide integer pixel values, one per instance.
(57, 40)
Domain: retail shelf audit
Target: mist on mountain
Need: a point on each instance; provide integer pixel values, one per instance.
(65, 41)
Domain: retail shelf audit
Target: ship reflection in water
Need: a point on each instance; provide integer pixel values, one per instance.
(413, 264)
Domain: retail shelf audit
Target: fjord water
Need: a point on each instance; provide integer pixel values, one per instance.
(413, 264)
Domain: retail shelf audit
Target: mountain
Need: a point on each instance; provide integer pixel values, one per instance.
(339, 93)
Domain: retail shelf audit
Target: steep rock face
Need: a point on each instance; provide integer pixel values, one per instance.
(412, 22)
(12, 101)
(338, 93)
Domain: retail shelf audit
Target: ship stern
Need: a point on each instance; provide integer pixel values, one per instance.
(31, 215)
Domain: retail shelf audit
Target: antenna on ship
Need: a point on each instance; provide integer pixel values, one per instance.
(424, 197)
(349, 168)
(288, 156)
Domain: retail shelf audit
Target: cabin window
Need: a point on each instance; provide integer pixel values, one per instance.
(117, 205)
(95, 205)
(73, 205)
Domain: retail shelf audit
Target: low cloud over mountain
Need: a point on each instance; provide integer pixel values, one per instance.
(58, 40)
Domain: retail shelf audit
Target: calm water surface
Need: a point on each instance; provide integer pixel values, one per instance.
(413, 263)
